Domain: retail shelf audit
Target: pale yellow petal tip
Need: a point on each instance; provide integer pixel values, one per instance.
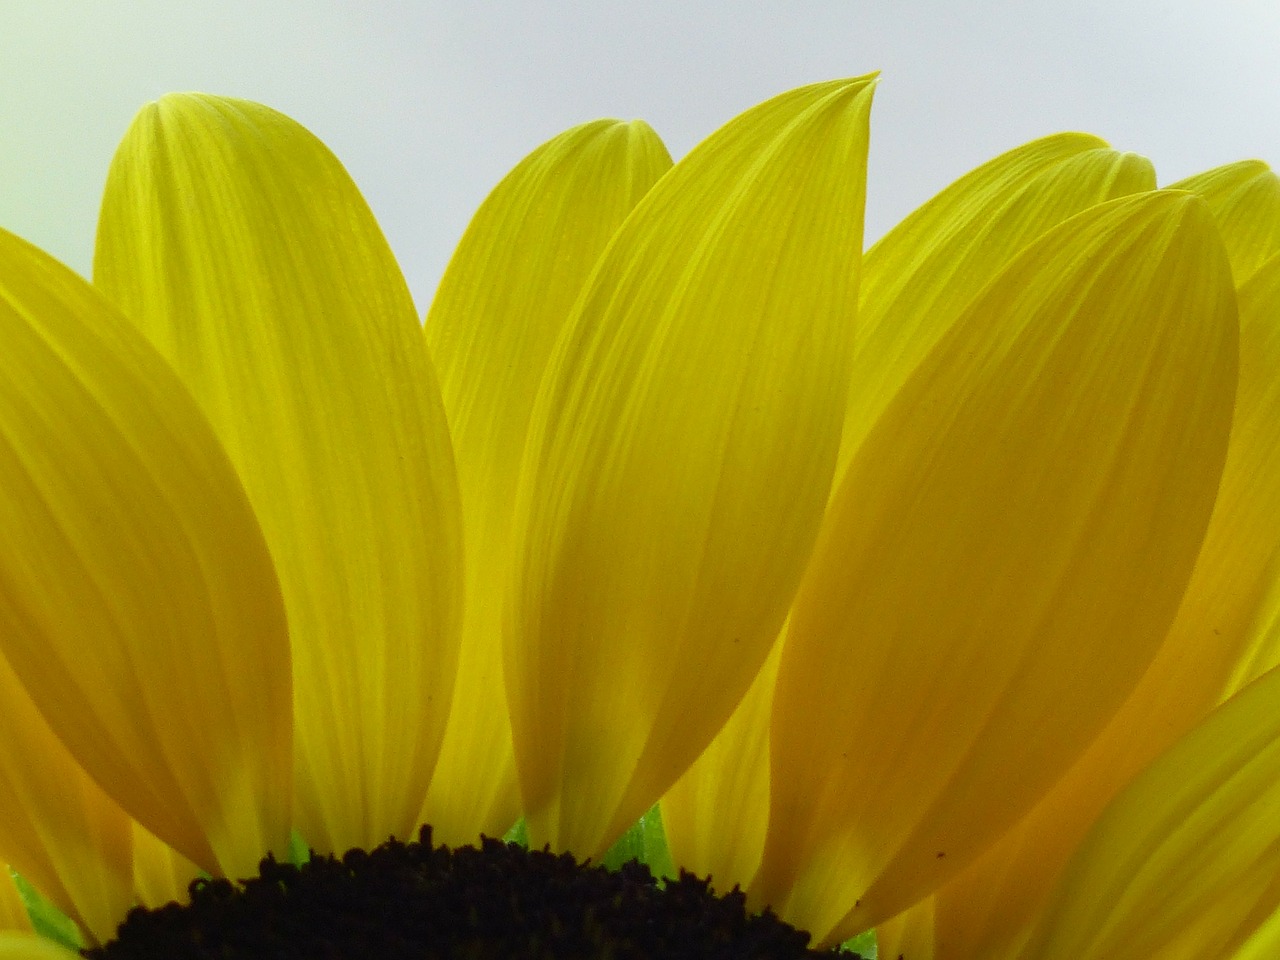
(29, 946)
(635, 129)
(868, 81)
(170, 108)
(168, 103)
(1237, 170)
(178, 99)
(1128, 156)
(864, 83)
(203, 108)
(1177, 203)
(639, 129)
(1228, 177)
(1069, 141)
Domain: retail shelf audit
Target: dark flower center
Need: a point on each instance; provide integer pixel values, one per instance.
(496, 902)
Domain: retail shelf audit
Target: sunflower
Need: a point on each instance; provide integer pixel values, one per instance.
(932, 589)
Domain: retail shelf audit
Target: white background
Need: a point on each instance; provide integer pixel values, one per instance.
(429, 103)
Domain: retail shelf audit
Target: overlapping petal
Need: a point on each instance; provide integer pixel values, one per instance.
(920, 278)
(1182, 853)
(160, 873)
(1222, 637)
(503, 301)
(991, 543)
(1245, 199)
(716, 814)
(917, 281)
(240, 247)
(138, 605)
(57, 828)
(679, 459)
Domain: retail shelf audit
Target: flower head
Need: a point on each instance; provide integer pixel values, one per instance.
(923, 557)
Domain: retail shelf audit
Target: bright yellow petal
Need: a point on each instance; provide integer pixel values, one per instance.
(501, 305)
(28, 946)
(920, 277)
(1184, 851)
(138, 604)
(679, 459)
(1245, 199)
(992, 542)
(240, 247)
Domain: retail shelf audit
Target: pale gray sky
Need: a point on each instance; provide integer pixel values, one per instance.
(429, 103)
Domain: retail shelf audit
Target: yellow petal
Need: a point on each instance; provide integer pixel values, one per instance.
(1215, 645)
(679, 458)
(138, 605)
(240, 247)
(57, 828)
(991, 543)
(28, 946)
(13, 912)
(1250, 507)
(160, 874)
(1263, 943)
(920, 277)
(716, 813)
(909, 935)
(1245, 199)
(1184, 851)
(916, 283)
(1223, 636)
(501, 305)
(1262, 633)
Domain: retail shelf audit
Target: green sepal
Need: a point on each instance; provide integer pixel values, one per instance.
(48, 920)
(645, 841)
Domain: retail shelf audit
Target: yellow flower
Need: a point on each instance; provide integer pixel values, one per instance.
(263, 570)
